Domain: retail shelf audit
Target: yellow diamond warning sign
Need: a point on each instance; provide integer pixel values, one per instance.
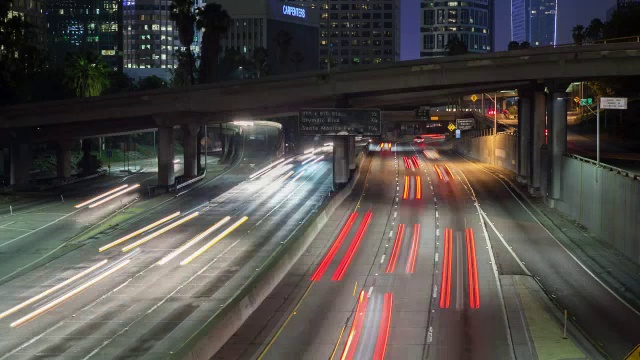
(474, 98)
(634, 354)
(451, 127)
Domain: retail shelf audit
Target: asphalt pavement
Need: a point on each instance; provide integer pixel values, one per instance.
(124, 302)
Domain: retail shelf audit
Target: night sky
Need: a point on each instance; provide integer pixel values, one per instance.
(570, 13)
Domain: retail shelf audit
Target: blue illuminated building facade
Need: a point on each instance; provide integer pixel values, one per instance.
(534, 21)
(85, 25)
(257, 23)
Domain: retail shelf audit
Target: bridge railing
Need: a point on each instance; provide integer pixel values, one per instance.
(614, 169)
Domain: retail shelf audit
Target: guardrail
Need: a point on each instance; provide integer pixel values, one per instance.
(624, 172)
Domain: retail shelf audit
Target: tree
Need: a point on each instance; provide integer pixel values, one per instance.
(86, 73)
(181, 13)
(624, 22)
(259, 61)
(214, 22)
(185, 73)
(297, 59)
(283, 42)
(455, 46)
(230, 64)
(120, 82)
(595, 30)
(578, 34)
(525, 45)
(513, 45)
(152, 82)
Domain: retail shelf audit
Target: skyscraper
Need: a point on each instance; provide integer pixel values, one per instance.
(471, 21)
(85, 25)
(31, 11)
(534, 21)
(622, 5)
(357, 32)
(150, 38)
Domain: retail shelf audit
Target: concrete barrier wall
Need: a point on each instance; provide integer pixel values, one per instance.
(220, 327)
(606, 202)
(480, 148)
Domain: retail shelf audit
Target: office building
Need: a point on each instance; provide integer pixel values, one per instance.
(471, 20)
(32, 12)
(357, 32)
(150, 38)
(534, 21)
(85, 25)
(256, 23)
(621, 5)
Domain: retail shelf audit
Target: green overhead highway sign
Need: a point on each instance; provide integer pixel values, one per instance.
(585, 102)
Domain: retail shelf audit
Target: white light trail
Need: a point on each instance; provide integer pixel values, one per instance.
(114, 195)
(161, 231)
(138, 232)
(190, 243)
(100, 196)
(214, 241)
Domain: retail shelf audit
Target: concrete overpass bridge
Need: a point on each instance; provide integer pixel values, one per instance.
(540, 74)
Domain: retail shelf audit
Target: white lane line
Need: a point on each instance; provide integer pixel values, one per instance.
(390, 233)
(459, 272)
(430, 335)
(395, 214)
(370, 291)
(382, 259)
(40, 228)
(435, 291)
(31, 341)
(436, 257)
(497, 278)
(524, 268)
(17, 229)
(7, 224)
(436, 214)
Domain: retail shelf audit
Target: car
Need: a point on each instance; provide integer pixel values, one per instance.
(418, 139)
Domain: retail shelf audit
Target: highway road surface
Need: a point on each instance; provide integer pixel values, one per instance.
(400, 273)
(142, 296)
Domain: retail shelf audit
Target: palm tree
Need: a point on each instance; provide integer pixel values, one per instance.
(455, 46)
(86, 73)
(578, 34)
(297, 58)
(181, 12)
(259, 60)
(283, 41)
(525, 45)
(513, 45)
(214, 22)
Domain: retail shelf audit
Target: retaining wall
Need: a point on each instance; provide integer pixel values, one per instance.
(605, 200)
(480, 148)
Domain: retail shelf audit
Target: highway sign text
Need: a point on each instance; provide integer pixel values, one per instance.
(613, 103)
(367, 122)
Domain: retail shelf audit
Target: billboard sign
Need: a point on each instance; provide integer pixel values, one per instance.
(466, 124)
(613, 103)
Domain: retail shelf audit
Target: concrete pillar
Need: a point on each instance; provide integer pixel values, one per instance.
(166, 174)
(351, 141)
(557, 140)
(190, 145)
(340, 162)
(20, 164)
(524, 136)
(63, 159)
(5, 164)
(537, 139)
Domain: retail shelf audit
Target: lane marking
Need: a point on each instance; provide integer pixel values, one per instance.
(487, 221)
(38, 229)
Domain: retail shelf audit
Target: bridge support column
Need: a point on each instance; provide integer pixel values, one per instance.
(190, 145)
(63, 159)
(524, 135)
(20, 164)
(340, 162)
(557, 143)
(351, 141)
(166, 174)
(537, 137)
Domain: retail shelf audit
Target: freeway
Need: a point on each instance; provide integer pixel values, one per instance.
(397, 277)
(145, 296)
